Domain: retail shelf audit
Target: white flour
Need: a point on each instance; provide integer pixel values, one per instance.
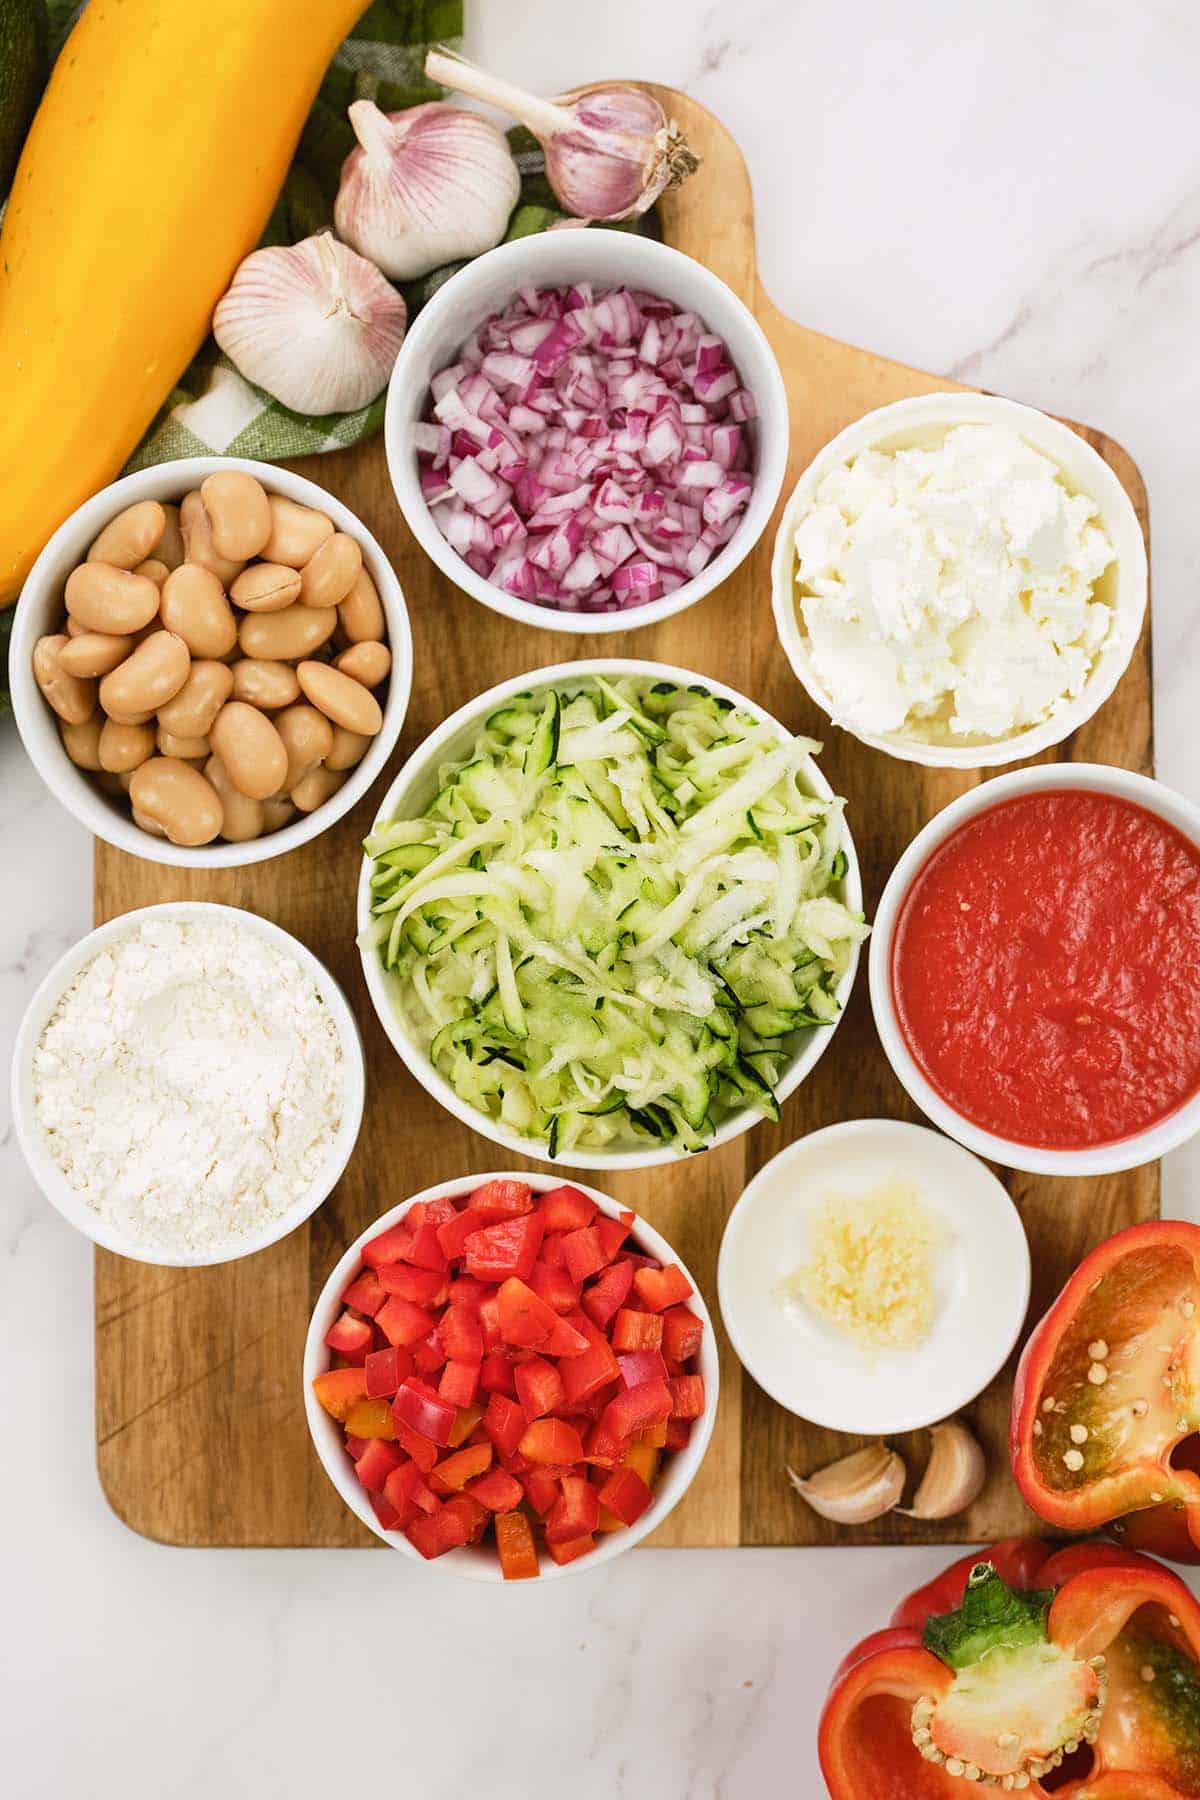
(189, 1083)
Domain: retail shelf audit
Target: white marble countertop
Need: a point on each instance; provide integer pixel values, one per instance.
(1009, 192)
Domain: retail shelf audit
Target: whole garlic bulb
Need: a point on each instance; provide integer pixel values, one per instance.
(315, 325)
(425, 187)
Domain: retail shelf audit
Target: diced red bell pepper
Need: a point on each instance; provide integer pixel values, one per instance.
(425, 1252)
(338, 1389)
(376, 1463)
(406, 1490)
(626, 1495)
(660, 1288)
(567, 1209)
(453, 1474)
(370, 1419)
(612, 1234)
(422, 1449)
(608, 1293)
(683, 1333)
(501, 1199)
(539, 1387)
(552, 1441)
(350, 1337)
(642, 1365)
(465, 1426)
(390, 1246)
(496, 1375)
(453, 1235)
(459, 1382)
(570, 1551)
(636, 1330)
(566, 1340)
(404, 1324)
(551, 1250)
(655, 1434)
(514, 1541)
(605, 1448)
(365, 1294)
(555, 1287)
(510, 1248)
(356, 1445)
(575, 1513)
(687, 1396)
(441, 1531)
(475, 1517)
(585, 1375)
(679, 1434)
(525, 1319)
(468, 1293)
(438, 1211)
(385, 1512)
(428, 1356)
(489, 1322)
(385, 1370)
(582, 1254)
(497, 1490)
(541, 1490)
(461, 1334)
(505, 1422)
(424, 1287)
(633, 1409)
(417, 1405)
(414, 1218)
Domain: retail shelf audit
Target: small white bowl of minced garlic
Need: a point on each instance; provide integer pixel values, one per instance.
(958, 580)
(874, 1277)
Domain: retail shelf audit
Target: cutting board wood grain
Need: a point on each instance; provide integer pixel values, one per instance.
(200, 1425)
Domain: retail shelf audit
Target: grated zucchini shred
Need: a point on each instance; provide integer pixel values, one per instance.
(614, 917)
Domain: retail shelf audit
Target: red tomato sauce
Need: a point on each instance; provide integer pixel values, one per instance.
(1046, 969)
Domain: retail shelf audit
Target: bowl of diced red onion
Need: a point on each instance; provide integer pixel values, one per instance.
(586, 430)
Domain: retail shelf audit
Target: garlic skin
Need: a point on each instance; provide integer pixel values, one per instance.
(424, 187)
(856, 1489)
(610, 151)
(315, 325)
(954, 1475)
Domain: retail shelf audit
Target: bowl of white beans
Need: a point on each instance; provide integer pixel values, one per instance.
(211, 662)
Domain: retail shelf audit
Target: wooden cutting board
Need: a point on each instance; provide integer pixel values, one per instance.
(200, 1425)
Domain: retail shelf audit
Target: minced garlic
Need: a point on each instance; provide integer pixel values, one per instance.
(872, 1266)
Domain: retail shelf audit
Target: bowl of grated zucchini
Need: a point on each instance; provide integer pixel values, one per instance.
(610, 913)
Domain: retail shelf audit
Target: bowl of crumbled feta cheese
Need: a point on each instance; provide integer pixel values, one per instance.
(188, 1084)
(959, 580)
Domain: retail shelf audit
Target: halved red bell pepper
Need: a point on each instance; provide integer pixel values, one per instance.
(1087, 1686)
(1106, 1405)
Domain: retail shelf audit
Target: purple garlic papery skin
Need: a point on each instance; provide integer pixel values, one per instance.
(424, 187)
(619, 155)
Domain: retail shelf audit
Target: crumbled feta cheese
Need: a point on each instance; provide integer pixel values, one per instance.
(949, 592)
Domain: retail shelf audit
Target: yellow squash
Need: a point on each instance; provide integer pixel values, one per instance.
(151, 168)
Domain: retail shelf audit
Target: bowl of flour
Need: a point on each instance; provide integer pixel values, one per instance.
(188, 1084)
(959, 580)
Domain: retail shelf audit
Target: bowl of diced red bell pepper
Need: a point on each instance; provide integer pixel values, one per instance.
(510, 1376)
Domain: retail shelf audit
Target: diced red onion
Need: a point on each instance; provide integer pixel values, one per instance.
(586, 450)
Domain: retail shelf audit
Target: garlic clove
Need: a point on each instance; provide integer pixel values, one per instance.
(610, 150)
(425, 187)
(954, 1475)
(857, 1488)
(315, 324)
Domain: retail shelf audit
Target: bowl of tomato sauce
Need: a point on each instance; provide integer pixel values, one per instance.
(1035, 969)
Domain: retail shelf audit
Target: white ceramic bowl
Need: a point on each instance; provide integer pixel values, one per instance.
(40, 610)
(46, 1172)
(607, 259)
(479, 1562)
(1100, 1159)
(924, 421)
(411, 793)
(981, 1286)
